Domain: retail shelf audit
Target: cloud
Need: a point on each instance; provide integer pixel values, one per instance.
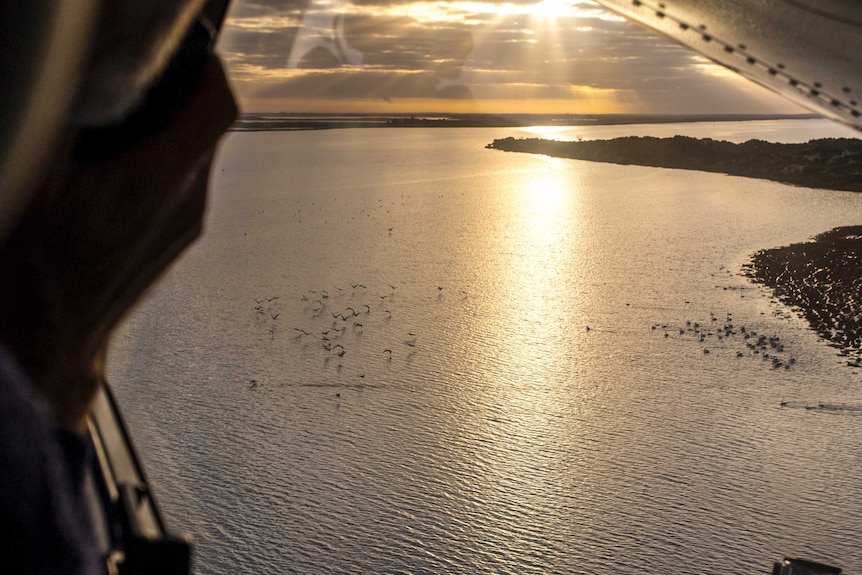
(407, 49)
(255, 8)
(360, 84)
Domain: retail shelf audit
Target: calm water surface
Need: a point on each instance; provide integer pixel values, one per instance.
(501, 372)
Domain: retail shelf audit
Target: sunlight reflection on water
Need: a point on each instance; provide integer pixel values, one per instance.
(497, 433)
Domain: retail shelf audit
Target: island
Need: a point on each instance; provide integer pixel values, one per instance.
(829, 163)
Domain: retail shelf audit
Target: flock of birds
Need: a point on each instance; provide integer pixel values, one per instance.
(725, 336)
(333, 323)
(713, 334)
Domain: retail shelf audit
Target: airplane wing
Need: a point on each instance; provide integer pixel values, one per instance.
(806, 50)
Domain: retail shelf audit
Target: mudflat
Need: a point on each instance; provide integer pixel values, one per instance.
(822, 280)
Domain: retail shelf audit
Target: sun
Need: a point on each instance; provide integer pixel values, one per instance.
(550, 9)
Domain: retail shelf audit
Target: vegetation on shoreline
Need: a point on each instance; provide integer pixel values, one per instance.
(829, 163)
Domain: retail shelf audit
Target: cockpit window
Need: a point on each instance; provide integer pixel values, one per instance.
(551, 57)
(422, 335)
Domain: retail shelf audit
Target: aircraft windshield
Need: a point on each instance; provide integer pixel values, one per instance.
(546, 57)
(420, 335)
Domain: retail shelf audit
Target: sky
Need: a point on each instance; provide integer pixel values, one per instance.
(469, 56)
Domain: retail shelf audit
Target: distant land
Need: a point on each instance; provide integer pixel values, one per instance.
(829, 163)
(251, 122)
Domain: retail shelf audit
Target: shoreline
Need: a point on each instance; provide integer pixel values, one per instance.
(264, 122)
(820, 279)
(826, 163)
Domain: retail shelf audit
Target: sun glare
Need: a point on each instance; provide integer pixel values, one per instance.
(546, 131)
(550, 9)
(470, 11)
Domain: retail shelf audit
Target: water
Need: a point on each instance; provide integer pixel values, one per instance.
(498, 434)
